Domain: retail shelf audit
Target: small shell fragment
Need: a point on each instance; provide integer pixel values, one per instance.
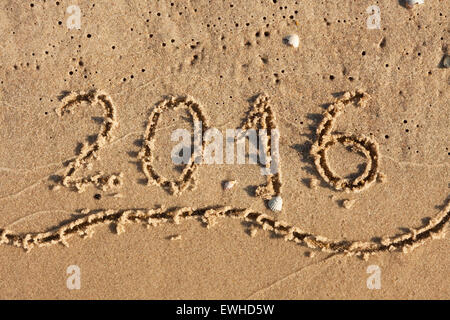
(411, 3)
(227, 185)
(446, 61)
(175, 237)
(292, 40)
(117, 195)
(381, 177)
(347, 204)
(275, 204)
(55, 187)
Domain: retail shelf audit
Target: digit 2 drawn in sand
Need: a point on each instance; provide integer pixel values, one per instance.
(326, 139)
(187, 178)
(90, 151)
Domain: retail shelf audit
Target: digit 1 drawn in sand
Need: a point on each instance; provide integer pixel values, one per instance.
(364, 144)
(187, 178)
(263, 117)
(89, 152)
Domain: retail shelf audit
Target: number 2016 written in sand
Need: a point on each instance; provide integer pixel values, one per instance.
(261, 118)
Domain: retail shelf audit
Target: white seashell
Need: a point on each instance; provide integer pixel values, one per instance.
(229, 184)
(292, 40)
(275, 204)
(411, 3)
(446, 61)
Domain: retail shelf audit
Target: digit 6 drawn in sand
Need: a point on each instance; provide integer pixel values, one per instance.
(90, 151)
(326, 139)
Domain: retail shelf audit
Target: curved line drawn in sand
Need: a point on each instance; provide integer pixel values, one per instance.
(90, 151)
(361, 143)
(434, 229)
(188, 177)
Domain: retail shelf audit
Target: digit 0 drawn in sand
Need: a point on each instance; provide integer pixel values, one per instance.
(361, 143)
(434, 229)
(188, 176)
(90, 151)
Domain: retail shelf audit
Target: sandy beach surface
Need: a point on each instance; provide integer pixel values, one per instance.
(94, 207)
